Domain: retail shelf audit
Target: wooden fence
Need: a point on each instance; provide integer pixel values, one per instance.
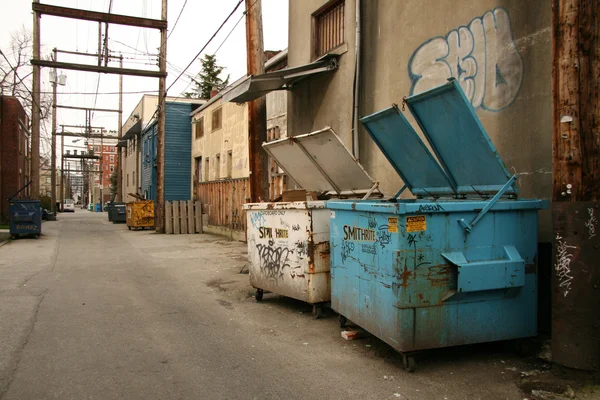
(183, 217)
(222, 202)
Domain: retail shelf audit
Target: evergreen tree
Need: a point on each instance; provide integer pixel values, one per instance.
(207, 78)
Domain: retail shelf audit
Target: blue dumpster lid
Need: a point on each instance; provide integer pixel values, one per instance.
(406, 152)
(468, 161)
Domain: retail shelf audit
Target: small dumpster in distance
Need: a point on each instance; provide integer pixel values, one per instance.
(456, 265)
(117, 212)
(25, 217)
(288, 242)
(140, 213)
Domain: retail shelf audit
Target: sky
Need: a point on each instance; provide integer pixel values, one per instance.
(198, 22)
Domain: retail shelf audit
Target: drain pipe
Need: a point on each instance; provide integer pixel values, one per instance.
(355, 104)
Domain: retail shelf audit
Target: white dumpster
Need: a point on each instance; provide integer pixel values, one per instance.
(288, 242)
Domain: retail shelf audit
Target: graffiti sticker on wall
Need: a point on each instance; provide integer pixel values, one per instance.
(481, 56)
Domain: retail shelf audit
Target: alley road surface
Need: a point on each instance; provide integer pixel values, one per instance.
(94, 311)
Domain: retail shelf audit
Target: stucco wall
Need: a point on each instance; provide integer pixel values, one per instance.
(500, 51)
(233, 136)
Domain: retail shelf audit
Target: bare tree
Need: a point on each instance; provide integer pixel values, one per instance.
(16, 80)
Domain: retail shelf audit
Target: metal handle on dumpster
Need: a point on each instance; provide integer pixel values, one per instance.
(468, 226)
(478, 276)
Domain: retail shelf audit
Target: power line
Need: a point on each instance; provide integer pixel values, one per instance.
(177, 20)
(17, 75)
(192, 61)
(206, 45)
(106, 93)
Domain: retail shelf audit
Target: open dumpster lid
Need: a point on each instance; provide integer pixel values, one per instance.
(407, 153)
(468, 161)
(319, 161)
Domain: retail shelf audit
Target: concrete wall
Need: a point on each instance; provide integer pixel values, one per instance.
(500, 51)
(233, 136)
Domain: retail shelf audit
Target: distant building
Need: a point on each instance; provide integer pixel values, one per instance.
(14, 152)
(131, 141)
(220, 151)
(178, 148)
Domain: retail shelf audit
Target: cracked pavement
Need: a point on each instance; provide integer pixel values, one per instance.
(94, 311)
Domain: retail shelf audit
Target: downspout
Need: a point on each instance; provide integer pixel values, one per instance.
(355, 104)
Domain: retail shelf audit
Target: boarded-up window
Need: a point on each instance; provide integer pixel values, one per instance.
(199, 127)
(217, 119)
(328, 28)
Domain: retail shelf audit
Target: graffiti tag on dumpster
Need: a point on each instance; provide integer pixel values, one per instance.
(563, 264)
(28, 227)
(273, 260)
(359, 234)
(383, 236)
(347, 248)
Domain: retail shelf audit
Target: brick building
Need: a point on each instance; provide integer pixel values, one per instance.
(14, 151)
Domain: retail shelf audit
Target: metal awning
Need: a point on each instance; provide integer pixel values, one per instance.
(254, 87)
(122, 143)
(133, 131)
(319, 161)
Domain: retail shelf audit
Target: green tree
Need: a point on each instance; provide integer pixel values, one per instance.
(208, 78)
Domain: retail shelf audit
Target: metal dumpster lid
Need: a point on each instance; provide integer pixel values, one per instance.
(406, 152)
(319, 161)
(468, 161)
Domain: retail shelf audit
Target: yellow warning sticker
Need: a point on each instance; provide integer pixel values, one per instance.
(392, 225)
(417, 223)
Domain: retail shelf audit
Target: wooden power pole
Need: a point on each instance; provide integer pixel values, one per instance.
(576, 183)
(257, 109)
(160, 147)
(120, 196)
(53, 139)
(35, 111)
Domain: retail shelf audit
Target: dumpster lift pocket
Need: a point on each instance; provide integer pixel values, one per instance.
(478, 276)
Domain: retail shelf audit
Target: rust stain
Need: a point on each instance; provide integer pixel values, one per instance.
(420, 296)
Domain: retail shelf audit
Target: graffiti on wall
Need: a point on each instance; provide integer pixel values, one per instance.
(482, 57)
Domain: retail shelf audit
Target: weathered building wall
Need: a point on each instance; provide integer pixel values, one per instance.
(500, 51)
(232, 136)
(14, 152)
(277, 111)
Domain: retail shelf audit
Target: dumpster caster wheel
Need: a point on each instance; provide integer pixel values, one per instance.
(258, 295)
(317, 311)
(409, 363)
(343, 321)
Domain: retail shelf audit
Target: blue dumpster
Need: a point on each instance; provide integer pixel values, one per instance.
(453, 266)
(25, 217)
(97, 209)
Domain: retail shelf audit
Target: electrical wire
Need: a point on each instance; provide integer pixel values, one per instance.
(177, 20)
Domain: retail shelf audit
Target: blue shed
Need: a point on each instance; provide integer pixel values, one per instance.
(178, 149)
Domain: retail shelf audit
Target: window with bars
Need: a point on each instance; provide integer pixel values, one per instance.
(328, 28)
(217, 119)
(199, 127)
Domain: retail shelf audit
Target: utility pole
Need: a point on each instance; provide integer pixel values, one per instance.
(257, 109)
(160, 153)
(576, 183)
(101, 169)
(120, 196)
(53, 151)
(62, 170)
(35, 111)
